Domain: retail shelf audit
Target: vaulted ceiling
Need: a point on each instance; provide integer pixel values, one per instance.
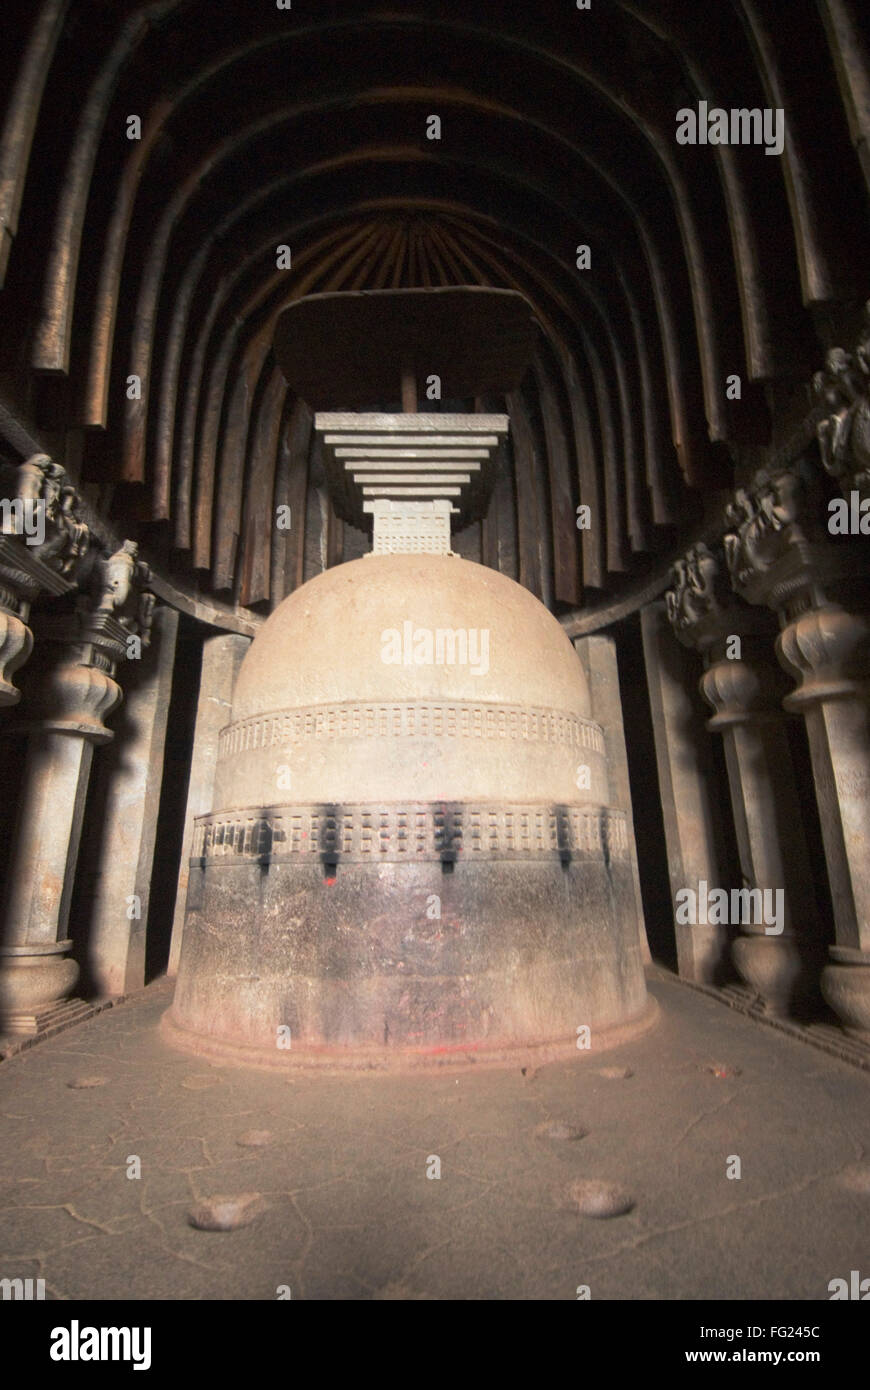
(308, 127)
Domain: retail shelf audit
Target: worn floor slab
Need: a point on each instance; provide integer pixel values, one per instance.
(347, 1210)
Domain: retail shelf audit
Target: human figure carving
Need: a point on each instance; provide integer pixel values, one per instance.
(738, 513)
(779, 500)
(77, 531)
(694, 594)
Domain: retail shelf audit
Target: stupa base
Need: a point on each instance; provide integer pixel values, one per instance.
(461, 1056)
(404, 962)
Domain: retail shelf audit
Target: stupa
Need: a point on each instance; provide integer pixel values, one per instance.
(413, 858)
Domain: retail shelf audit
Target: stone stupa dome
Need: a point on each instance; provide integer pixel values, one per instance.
(410, 676)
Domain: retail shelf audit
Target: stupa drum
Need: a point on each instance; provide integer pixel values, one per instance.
(412, 853)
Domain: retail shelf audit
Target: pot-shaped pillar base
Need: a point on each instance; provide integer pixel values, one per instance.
(846, 987)
(33, 978)
(782, 971)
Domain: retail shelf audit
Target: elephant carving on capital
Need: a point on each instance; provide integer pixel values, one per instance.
(121, 579)
(45, 495)
(116, 574)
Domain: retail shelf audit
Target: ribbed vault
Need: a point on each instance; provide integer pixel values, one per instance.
(156, 258)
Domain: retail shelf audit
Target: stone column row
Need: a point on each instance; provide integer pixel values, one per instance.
(783, 584)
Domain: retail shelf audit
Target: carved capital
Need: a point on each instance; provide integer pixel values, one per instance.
(779, 551)
(73, 698)
(41, 540)
(23, 576)
(121, 593)
(827, 650)
(773, 525)
(45, 547)
(97, 634)
(700, 605)
(740, 692)
(16, 644)
(43, 516)
(843, 389)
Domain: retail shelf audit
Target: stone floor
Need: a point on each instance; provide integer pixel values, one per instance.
(346, 1210)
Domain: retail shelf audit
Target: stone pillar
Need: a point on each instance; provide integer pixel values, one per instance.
(781, 553)
(828, 651)
(133, 768)
(221, 658)
(598, 656)
(782, 966)
(35, 969)
(68, 690)
(685, 781)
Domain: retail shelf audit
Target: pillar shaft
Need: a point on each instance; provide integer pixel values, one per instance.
(35, 971)
(133, 771)
(221, 658)
(770, 836)
(828, 650)
(779, 959)
(598, 656)
(46, 840)
(685, 779)
(771, 841)
(839, 738)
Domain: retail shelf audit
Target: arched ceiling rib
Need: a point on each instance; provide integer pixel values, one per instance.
(156, 258)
